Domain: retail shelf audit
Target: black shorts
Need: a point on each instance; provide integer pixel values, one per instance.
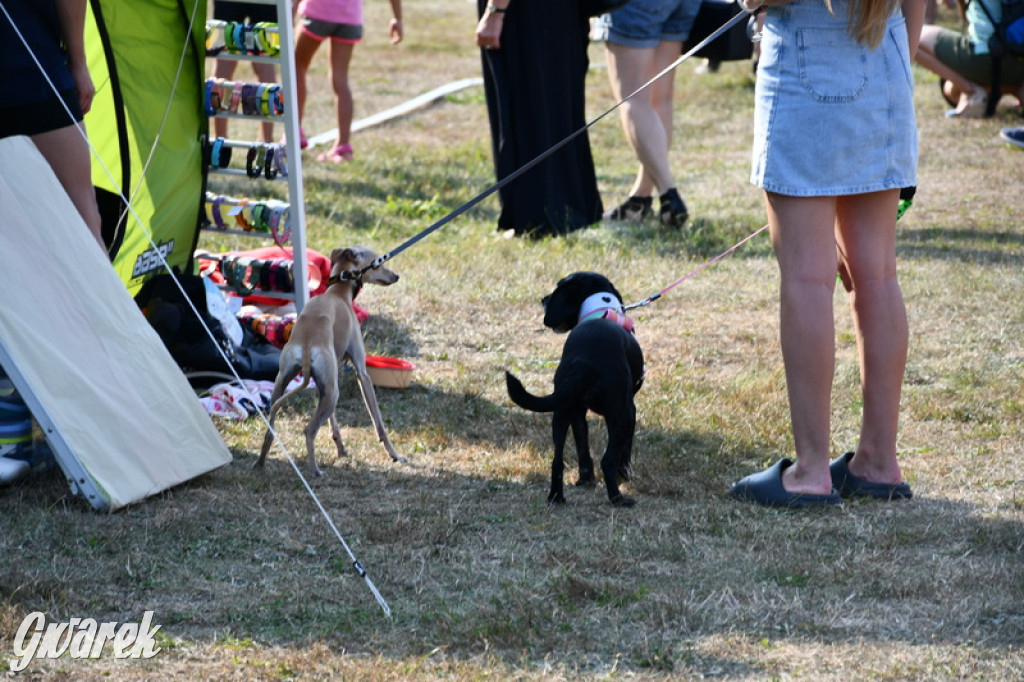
(43, 117)
(240, 11)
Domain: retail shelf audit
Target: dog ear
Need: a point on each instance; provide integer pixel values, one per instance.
(562, 306)
(340, 257)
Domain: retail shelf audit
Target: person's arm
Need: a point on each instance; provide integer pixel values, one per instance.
(913, 13)
(488, 31)
(396, 30)
(71, 14)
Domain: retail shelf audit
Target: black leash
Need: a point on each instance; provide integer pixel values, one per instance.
(380, 260)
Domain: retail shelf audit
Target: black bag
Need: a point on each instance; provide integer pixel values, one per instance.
(733, 45)
(186, 340)
(595, 8)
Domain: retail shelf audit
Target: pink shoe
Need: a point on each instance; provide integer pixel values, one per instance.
(337, 154)
(303, 142)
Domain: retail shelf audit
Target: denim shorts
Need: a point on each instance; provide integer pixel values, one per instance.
(645, 23)
(831, 116)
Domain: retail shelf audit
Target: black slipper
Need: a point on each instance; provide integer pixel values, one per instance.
(849, 485)
(765, 488)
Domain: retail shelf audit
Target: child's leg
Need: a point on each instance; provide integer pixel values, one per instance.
(341, 57)
(306, 46)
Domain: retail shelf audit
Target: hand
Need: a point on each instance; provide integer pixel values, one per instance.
(84, 84)
(488, 31)
(396, 31)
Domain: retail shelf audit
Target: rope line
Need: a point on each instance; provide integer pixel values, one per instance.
(545, 154)
(654, 297)
(357, 565)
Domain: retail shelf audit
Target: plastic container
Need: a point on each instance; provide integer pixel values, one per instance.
(389, 372)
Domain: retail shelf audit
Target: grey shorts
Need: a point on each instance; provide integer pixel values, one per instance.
(322, 30)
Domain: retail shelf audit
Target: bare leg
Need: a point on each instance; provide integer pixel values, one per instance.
(67, 152)
(225, 69)
(961, 87)
(628, 69)
(305, 48)
(341, 57)
(866, 228)
(803, 236)
(266, 74)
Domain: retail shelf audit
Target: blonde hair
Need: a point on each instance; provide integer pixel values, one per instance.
(868, 18)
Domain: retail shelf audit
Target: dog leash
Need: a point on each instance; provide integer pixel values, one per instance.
(380, 260)
(654, 297)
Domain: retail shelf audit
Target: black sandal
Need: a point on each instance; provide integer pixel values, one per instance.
(633, 208)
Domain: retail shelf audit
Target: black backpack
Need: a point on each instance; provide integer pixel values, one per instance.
(187, 340)
(1007, 42)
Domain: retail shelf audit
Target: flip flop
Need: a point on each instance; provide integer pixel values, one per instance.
(765, 488)
(337, 154)
(849, 485)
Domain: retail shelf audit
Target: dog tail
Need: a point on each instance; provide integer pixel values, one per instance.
(535, 403)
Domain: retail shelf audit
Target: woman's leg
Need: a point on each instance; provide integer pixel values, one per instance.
(926, 57)
(866, 235)
(803, 237)
(662, 92)
(67, 152)
(628, 69)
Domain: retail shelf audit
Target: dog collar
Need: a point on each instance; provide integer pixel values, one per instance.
(605, 306)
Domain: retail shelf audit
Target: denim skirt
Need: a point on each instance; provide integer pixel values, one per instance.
(832, 117)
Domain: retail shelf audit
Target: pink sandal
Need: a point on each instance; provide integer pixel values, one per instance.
(303, 142)
(337, 154)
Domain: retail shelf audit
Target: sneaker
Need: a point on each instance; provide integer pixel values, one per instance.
(35, 455)
(633, 208)
(12, 470)
(673, 211)
(1013, 136)
(970, 106)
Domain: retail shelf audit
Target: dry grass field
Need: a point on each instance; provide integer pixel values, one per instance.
(485, 580)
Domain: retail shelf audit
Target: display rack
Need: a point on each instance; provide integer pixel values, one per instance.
(295, 221)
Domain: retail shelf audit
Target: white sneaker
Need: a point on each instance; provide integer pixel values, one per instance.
(12, 470)
(971, 106)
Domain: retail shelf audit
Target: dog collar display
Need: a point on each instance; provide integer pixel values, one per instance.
(605, 306)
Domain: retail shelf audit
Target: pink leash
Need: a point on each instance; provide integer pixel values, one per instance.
(655, 297)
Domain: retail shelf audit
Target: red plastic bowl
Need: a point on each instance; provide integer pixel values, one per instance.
(389, 372)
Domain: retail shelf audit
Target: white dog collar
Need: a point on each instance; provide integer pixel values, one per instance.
(604, 305)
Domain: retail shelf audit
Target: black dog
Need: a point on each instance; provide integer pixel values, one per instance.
(601, 369)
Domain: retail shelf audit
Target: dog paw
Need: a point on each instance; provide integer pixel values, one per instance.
(621, 500)
(556, 498)
(587, 480)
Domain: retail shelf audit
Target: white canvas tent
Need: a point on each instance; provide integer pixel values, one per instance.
(121, 418)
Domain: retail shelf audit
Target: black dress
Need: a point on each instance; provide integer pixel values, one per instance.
(535, 88)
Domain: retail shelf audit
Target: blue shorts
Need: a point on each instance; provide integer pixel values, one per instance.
(645, 23)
